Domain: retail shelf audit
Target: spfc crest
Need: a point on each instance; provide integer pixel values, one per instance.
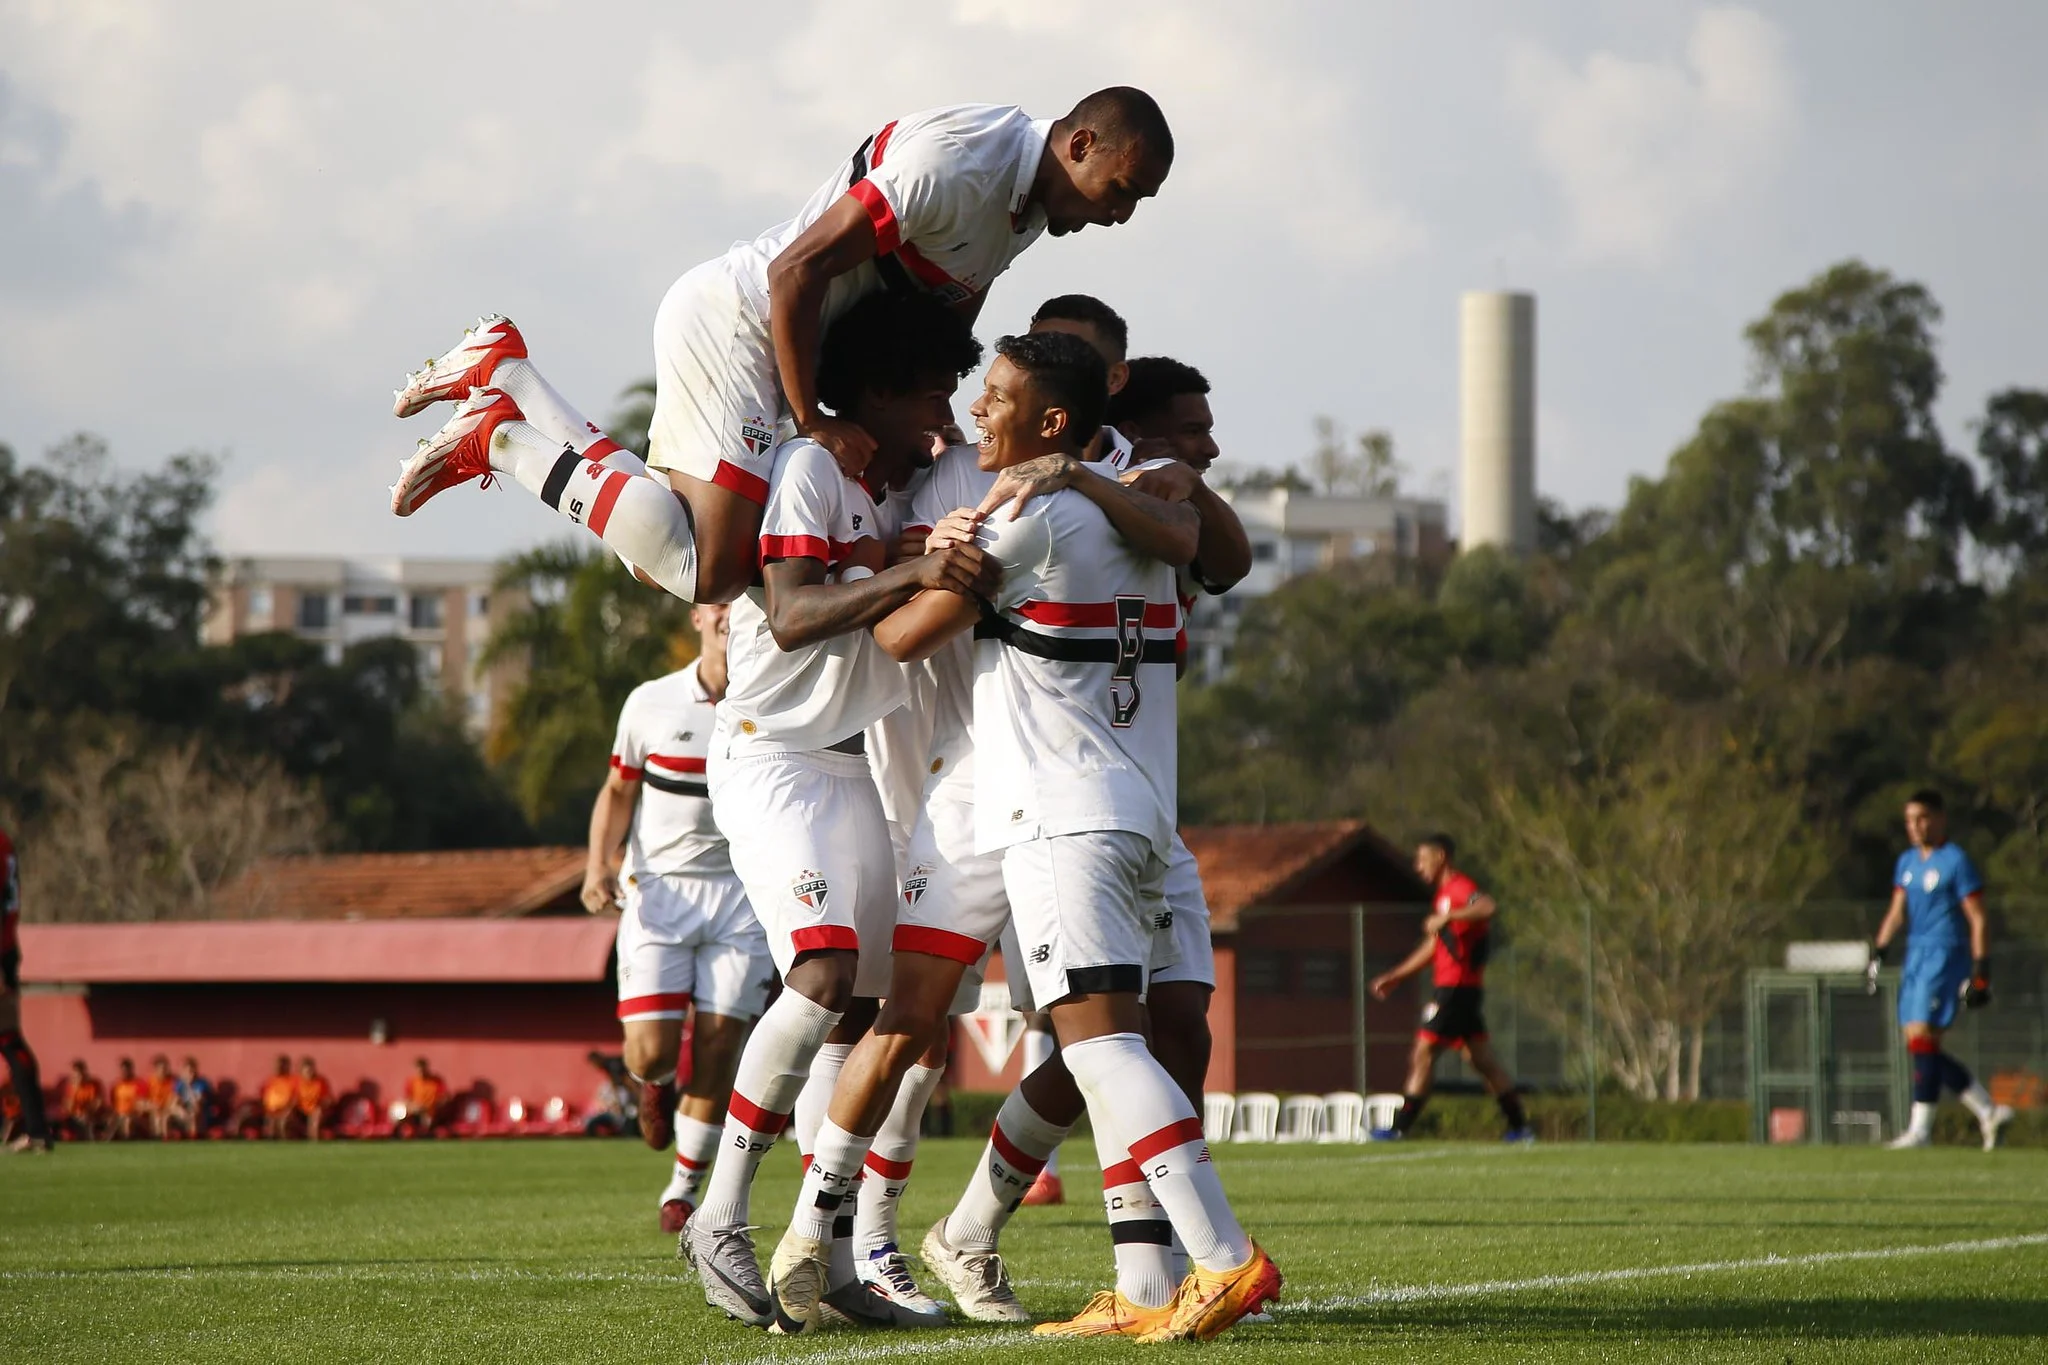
(914, 885)
(757, 436)
(809, 887)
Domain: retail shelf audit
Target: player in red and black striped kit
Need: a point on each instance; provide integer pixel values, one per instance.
(21, 1063)
(1455, 939)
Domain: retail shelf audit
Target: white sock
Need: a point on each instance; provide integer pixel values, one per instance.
(637, 516)
(836, 1163)
(696, 1143)
(557, 420)
(1138, 1226)
(1978, 1100)
(1015, 1153)
(816, 1095)
(771, 1071)
(888, 1162)
(1125, 1084)
(1922, 1123)
(1039, 1046)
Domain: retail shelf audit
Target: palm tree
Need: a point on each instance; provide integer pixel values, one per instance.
(588, 633)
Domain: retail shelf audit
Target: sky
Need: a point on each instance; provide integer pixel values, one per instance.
(233, 227)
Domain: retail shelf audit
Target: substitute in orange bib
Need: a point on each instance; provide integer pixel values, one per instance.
(1457, 937)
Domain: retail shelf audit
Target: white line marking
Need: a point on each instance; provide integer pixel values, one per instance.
(1424, 1292)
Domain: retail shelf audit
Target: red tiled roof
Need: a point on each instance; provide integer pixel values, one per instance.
(487, 883)
(1247, 865)
(555, 948)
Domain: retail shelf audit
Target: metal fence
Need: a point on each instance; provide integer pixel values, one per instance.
(1606, 1001)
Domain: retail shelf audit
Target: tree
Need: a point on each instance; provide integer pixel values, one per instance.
(1366, 468)
(589, 633)
(2012, 442)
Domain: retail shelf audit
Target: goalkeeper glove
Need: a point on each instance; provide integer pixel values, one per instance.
(1977, 990)
(1874, 966)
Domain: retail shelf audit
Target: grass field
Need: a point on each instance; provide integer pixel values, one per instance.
(547, 1251)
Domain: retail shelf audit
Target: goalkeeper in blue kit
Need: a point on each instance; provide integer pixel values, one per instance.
(1938, 899)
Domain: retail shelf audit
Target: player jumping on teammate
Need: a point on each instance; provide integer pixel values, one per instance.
(1456, 940)
(1938, 900)
(940, 202)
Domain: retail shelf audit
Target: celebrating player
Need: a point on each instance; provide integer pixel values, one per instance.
(21, 1059)
(1938, 899)
(940, 202)
(687, 937)
(1456, 939)
(789, 778)
(1074, 780)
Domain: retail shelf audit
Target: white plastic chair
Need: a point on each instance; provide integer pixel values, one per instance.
(1219, 1110)
(1258, 1117)
(1301, 1119)
(1343, 1117)
(1382, 1110)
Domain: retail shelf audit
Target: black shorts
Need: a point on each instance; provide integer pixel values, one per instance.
(1452, 1016)
(10, 971)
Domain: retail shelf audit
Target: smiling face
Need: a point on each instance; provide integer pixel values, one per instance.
(903, 425)
(1099, 182)
(1187, 425)
(1015, 423)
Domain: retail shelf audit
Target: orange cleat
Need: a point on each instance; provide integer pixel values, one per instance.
(1208, 1302)
(1046, 1190)
(1109, 1314)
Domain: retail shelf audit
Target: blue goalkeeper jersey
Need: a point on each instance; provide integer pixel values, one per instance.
(1935, 887)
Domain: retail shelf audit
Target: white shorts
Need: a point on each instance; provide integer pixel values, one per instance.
(1190, 910)
(1090, 912)
(808, 839)
(1015, 977)
(685, 938)
(718, 406)
(953, 902)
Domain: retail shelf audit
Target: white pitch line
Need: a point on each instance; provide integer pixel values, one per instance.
(1421, 1293)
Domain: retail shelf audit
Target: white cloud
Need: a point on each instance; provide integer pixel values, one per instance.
(1645, 150)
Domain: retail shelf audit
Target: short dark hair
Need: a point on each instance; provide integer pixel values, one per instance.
(1439, 840)
(1125, 114)
(887, 343)
(1155, 381)
(1068, 373)
(1929, 799)
(1090, 311)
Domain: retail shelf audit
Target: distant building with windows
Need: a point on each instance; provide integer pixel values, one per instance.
(1294, 532)
(442, 607)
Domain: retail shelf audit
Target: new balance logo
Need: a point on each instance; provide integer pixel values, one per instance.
(1042, 954)
(1163, 920)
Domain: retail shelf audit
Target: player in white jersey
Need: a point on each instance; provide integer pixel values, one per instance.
(789, 780)
(939, 202)
(688, 941)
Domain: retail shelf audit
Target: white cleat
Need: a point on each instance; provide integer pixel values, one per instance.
(1909, 1138)
(886, 1273)
(796, 1282)
(1993, 1123)
(457, 453)
(466, 368)
(977, 1280)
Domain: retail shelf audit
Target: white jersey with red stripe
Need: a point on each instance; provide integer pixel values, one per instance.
(956, 481)
(948, 192)
(899, 744)
(1074, 707)
(664, 736)
(820, 694)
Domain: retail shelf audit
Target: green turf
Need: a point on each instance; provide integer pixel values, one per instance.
(547, 1251)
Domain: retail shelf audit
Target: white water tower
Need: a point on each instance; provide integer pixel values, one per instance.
(1497, 419)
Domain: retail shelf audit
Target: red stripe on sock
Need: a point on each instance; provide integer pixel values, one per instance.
(604, 446)
(1166, 1139)
(755, 1117)
(1012, 1156)
(1922, 1046)
(887, 1169)
(601, 510)
(688, 1164)
(1122, 1173)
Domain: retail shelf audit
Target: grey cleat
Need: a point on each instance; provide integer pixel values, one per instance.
(723, 1258)
(857, 1304)
(979, 1283)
